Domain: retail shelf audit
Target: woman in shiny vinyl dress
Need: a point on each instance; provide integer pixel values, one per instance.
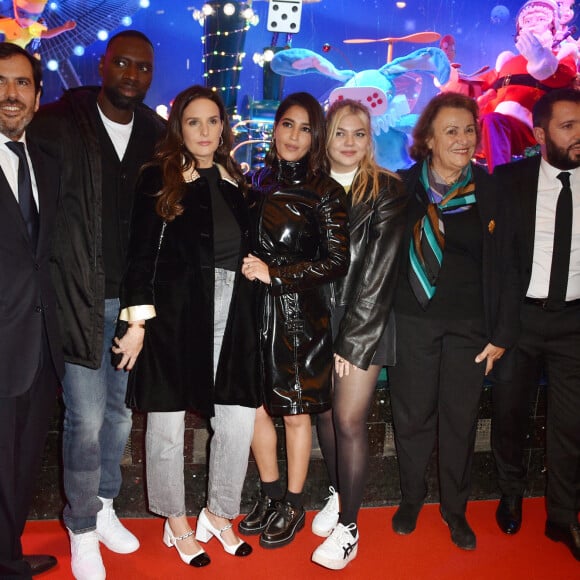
(301, 244)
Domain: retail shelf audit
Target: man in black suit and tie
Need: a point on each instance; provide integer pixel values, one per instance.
(543, 194)
(31, 363)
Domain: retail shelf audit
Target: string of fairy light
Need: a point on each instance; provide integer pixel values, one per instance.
(224, 16)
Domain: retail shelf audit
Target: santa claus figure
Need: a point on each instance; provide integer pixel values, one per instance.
(519, 80)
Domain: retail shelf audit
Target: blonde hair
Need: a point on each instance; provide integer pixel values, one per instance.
(366, 184)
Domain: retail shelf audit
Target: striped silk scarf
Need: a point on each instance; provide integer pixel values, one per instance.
(428, 240)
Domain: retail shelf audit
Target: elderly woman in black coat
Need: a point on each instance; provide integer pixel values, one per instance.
(301, 244)
(191, 312)
(452, 325)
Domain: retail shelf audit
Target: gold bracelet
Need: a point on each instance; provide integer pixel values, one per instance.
(136, 324)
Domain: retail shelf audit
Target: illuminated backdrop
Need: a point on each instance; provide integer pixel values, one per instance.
(482, 29)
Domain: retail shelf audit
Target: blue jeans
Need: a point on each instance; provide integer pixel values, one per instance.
(97, 424)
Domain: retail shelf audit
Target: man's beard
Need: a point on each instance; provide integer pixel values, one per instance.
(13, 128)
(561, 158)
(122, 102)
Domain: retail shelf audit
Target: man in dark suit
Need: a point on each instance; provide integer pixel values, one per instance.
(31, 362)
(544, 197)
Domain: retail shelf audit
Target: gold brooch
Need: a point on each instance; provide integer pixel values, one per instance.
(491, 226)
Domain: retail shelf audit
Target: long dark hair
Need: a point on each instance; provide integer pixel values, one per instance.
(317, 160)
(423, 130)
(174, 158)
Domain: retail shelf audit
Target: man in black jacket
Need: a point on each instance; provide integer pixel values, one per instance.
(544, 195)
(101, 136)
(31, 362)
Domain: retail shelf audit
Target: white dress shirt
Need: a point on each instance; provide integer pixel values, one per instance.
(549, 187)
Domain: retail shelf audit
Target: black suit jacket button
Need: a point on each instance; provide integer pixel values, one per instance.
(38, 309)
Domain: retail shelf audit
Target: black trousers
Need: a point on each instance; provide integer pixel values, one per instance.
(549, 340)
(24, 422)
(435, 392)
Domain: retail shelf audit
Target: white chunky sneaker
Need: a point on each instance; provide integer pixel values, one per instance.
(338, 549)
(86, 561)
(326, 519)
(112, 532)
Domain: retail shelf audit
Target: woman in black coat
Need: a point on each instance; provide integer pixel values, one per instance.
(451, 324)
(191, 313)
(362, 323)
(301, 244)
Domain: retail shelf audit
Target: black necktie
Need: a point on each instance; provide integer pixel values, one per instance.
(25, 197)
(562, 241)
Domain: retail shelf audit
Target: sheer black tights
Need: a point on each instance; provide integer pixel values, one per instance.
(342, 434)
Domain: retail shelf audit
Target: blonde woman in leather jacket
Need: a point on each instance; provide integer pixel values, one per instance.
(362, 323)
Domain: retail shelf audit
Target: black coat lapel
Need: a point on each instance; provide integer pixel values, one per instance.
(46, 176)
(358, 214)
(528, 194)
(486, 201)
(237, 204)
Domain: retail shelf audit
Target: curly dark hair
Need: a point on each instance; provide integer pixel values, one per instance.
(129, 34)
(423, 130)
(317, 160)
(174, 158)
(542, 111)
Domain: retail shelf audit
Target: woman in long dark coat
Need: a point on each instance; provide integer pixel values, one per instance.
(301, 245)
(192, 313)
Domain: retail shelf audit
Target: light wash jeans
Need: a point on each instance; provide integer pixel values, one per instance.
(97, 424)
(233, 428)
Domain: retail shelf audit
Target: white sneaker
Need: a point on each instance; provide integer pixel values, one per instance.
(338, 549)
(326, 519)
(86, 561)
(112, 532)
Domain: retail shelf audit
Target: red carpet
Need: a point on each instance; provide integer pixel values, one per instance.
(424, 555)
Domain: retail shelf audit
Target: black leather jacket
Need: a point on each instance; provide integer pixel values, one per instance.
(301, 232)
(376, 230)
